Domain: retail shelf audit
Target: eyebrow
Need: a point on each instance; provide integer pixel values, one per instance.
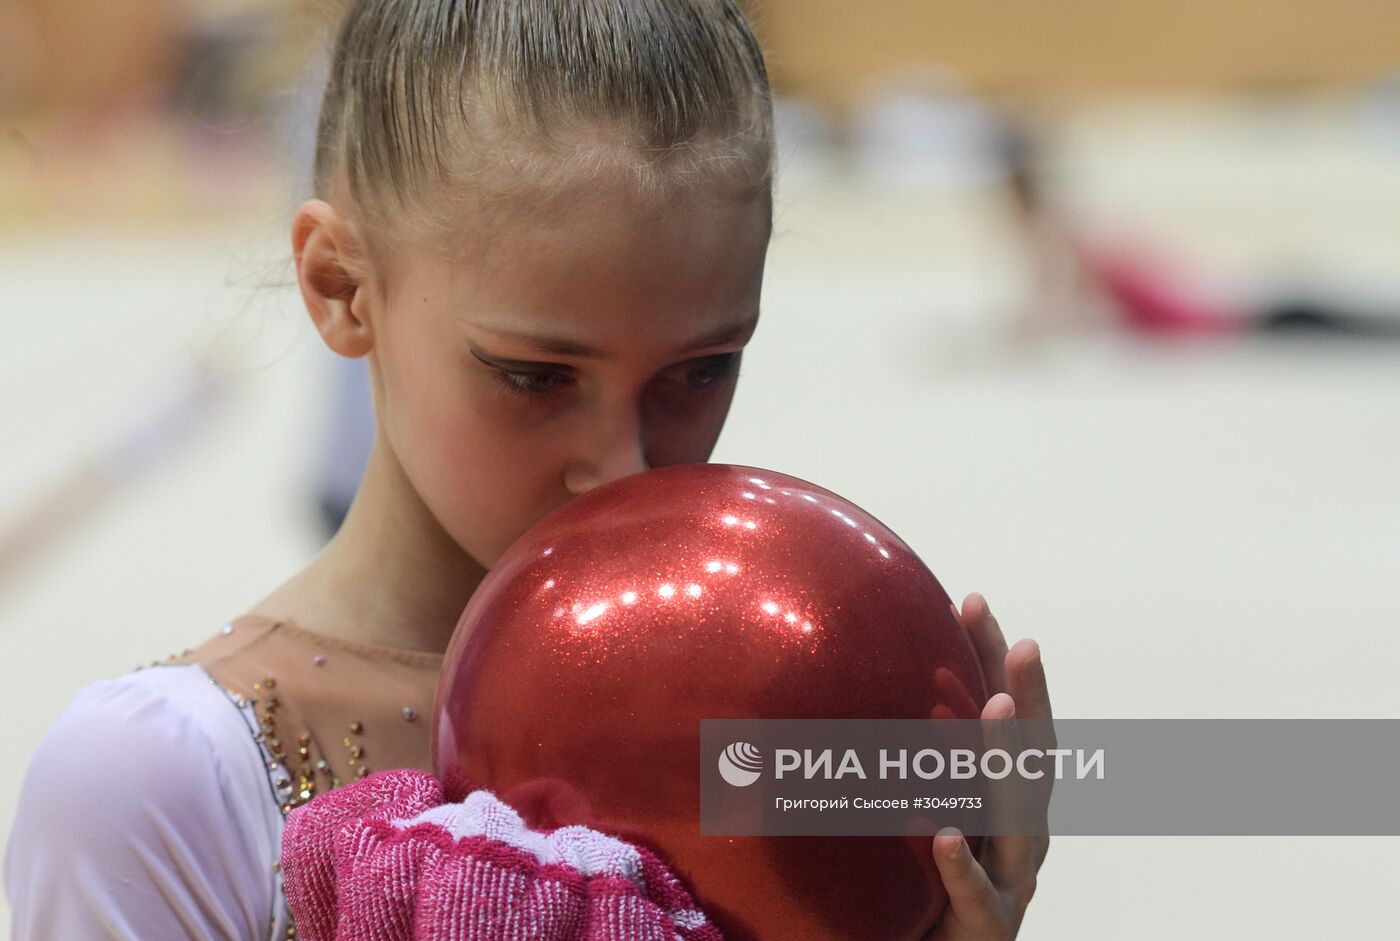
(567, 346)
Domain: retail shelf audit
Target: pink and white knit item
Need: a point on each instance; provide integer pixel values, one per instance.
(386, 859)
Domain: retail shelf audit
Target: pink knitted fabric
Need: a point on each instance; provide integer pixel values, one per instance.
(386, 859)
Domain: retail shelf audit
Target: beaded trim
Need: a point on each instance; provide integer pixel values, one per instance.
(288, 787)
(279, 783)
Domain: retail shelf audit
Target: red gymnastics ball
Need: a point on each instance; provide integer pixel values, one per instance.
(578, 676)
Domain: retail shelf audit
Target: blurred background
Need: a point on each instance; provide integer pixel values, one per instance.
(1094, 302)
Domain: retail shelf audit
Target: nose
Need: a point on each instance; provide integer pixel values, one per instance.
(616, 451)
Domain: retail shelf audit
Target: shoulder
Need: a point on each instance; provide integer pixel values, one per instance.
(144, 799)
(166, 725)
(164, 739)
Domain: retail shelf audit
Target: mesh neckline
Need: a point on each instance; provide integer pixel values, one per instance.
(289, 628)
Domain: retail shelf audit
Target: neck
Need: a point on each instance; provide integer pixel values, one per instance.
(391, 576)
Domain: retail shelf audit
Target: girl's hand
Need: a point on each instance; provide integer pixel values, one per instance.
(987, 897)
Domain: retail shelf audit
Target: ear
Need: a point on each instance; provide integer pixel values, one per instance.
(333, 272)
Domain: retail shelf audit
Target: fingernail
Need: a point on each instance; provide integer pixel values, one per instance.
(1009, 715)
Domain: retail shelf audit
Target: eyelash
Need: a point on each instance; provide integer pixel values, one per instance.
(521, 382)
(524, 382)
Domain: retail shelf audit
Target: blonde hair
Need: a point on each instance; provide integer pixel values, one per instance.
(426, 94)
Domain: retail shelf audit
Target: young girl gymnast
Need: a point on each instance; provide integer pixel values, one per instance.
(544, 225)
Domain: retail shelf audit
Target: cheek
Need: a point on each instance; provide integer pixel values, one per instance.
(432, 416)
(488, 453)
(478, 469)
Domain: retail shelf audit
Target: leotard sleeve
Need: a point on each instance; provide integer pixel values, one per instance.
(146, 815)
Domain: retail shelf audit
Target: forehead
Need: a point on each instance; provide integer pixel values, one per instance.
(604, 261)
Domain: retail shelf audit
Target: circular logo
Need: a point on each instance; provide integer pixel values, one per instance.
(740, 764)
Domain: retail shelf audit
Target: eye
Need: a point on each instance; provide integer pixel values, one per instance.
(711, 369)
(532, 382)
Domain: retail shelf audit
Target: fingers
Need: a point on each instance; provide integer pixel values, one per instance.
(1001, 706)
(982, 627)
(1020, 672)
(1026, 681)
(1026, 675)
(1010, 802)
(1026, 678)
(973, 901)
